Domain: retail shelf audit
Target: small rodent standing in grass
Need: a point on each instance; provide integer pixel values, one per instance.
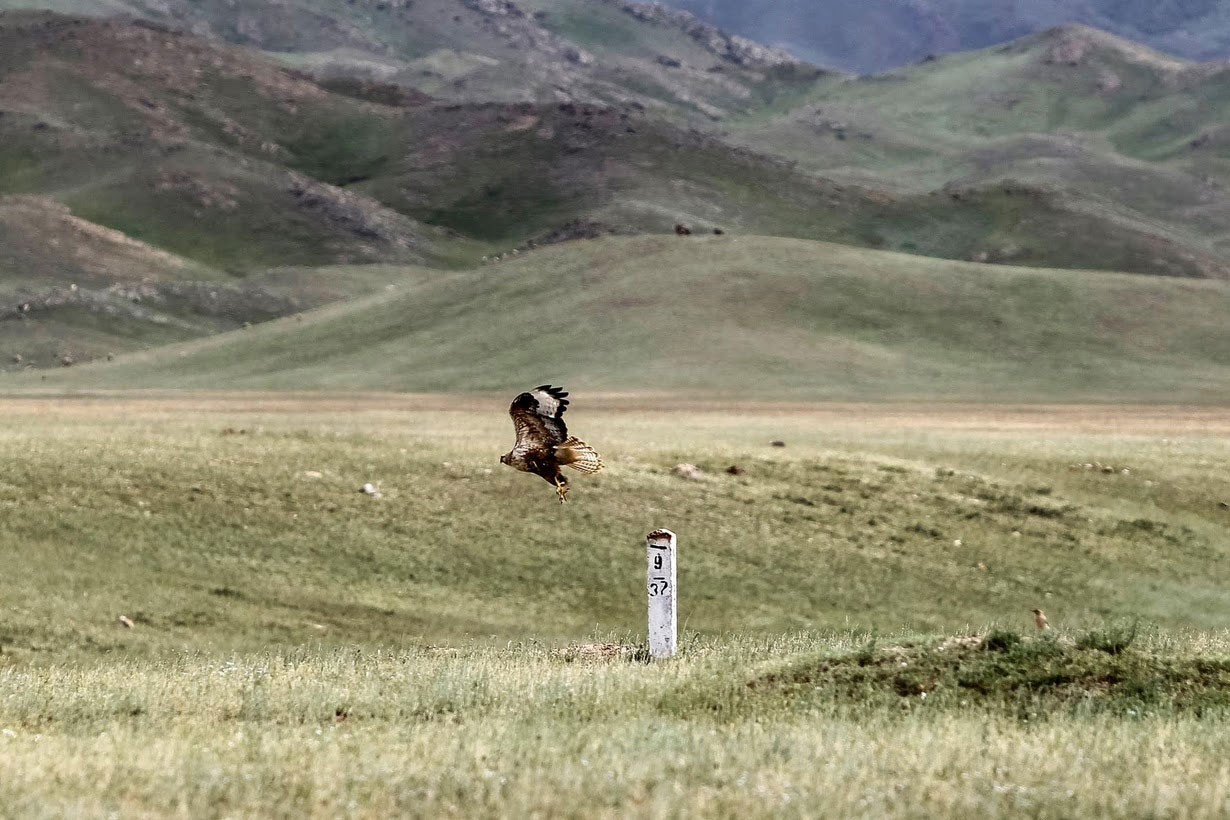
(1040, 620)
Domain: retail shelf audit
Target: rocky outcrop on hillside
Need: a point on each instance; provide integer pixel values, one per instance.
(731, 47)
(1076, 45)
(158, 303)
(362, 217)
(510, 23)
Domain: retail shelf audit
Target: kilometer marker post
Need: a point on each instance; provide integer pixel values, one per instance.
(663, 594)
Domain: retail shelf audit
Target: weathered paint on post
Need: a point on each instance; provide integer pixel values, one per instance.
(663, 594)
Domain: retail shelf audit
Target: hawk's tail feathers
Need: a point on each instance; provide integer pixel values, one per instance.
(578, 455)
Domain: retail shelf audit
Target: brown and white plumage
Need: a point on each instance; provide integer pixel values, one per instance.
(543, 445)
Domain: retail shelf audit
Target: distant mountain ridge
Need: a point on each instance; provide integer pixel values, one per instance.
(869, 36)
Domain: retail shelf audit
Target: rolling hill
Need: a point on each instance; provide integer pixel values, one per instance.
(151, 181)
(184, 144)
(1063, 150)
(154, 181)
(144, 178)
(729, 316)
(1117, 135)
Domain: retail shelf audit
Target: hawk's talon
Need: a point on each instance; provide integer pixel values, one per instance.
(561, 490)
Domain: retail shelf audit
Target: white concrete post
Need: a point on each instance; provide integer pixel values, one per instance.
(663, 595)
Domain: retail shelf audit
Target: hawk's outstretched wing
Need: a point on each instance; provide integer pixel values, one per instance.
(538, 417)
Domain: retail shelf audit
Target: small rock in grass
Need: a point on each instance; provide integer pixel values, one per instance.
(313, 474)
(778, 444)
(734, 469)
(126, 621)
(370, 489)
(688, 471)
(597, 652)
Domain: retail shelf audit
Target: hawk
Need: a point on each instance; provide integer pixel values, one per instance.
(543, 444)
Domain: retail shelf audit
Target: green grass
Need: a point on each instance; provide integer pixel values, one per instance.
(738, 316)
(1046, 678)
(522, 731)
(465, 646)
(240, 525)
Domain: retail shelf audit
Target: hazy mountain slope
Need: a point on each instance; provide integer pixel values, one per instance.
(185, 144)
(144, 173)
(203, 151)
(488, 50)
(204, 163)
(1111, 128)
(777, 317)
(213, 154)
(873, 35)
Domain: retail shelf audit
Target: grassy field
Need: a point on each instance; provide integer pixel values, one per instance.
(465, 646)
(531, 731)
